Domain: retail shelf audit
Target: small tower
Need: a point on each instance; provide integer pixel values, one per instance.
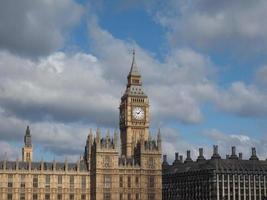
(27, 149)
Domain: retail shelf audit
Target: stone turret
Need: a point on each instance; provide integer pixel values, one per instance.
(27, 149)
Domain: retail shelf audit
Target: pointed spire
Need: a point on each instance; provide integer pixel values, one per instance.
(115, 138)
(108, 135)
(27, 137)
(159, 140)
(159, 135)
(28, 132)
(134, 70)
(98, 135)
(90, 133)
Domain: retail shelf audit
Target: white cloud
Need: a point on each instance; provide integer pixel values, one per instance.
(232, 25)
(35, 28)
(8, 151)
(243, 100)
(261, 75)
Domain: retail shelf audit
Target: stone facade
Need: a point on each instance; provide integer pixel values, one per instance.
(232, 178)
(105, 172)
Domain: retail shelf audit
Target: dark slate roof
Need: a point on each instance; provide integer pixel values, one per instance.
(219, 165)
(60, 166)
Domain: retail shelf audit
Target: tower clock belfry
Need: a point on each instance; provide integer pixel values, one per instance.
(134, 112)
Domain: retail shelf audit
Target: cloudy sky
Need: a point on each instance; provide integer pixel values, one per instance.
(63, 68)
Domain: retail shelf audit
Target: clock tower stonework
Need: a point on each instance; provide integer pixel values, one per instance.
(134, 112)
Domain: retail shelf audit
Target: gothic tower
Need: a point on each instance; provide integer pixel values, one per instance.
(134, 112)
(27, 149)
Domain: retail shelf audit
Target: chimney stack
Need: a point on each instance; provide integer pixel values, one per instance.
(240, 156)
(254, 154)
(233, 156)
(188, 157)
(215, 153)
(200, 156)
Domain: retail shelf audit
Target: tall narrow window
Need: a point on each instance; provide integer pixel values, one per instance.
(83, 182)
(35, 196)
(107, 181)
(22, 187)
(121, 181)
(47, 183)
(59, 179)
(136, 180)
(129, 181)
(151, 196)
(10, 181)
(9, 196)
(22, 181)
(35, 181)
(71, 184)
(107, 196)
(137, 196)
(151, 181)
(47, 196)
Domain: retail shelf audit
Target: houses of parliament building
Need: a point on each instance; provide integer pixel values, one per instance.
(104, 172)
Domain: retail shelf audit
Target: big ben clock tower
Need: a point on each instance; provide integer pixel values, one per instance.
(134, 112)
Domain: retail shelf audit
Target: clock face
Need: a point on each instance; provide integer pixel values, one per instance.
(138, 113)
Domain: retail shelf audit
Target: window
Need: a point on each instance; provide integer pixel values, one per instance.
(83, 197)
(121, 181)
(151, 196)
(9, 196)
(107, 196)
(10, 181)
(129, 181)
(35, 196)
(107, 181)
(72, 181)
(59, 179)
(106, 161)
(83, 182)
(151, 181)
(137, 196)
(22, 196)
(129, 196)
(47, 196)
(35, 181)
(22, 181)
(59, 196)
(121, 196)
(28, 158)
(136, 180)
(47, 179)
(47, 183)
(71, 196)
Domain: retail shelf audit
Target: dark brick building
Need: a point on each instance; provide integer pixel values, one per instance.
(232, 178)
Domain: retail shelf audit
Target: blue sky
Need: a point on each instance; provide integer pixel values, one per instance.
(64, 68)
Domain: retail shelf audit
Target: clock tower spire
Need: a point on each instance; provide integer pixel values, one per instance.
(134, 112)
